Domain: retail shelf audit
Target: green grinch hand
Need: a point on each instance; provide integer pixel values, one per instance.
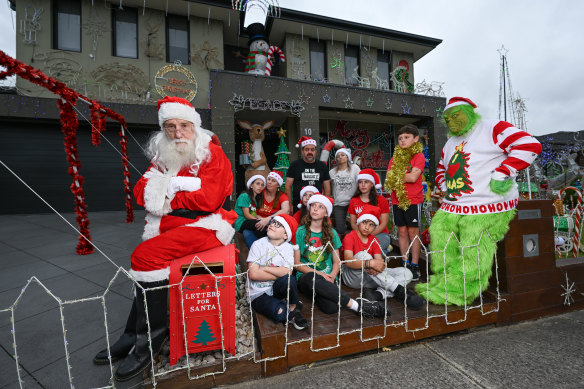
(501, 187)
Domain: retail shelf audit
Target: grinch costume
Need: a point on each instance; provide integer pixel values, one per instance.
(477, 173)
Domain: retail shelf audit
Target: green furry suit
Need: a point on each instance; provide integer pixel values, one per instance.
(447, 282)
(464, 243)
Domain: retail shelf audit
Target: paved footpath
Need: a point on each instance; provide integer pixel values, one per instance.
(545, 353)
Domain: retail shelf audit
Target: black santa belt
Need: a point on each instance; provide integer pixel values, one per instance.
(190, 214)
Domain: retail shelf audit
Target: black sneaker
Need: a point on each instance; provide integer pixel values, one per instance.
(298, 321)
(415, 269)
(299, 306)
(371, 309)
(412, 300)
(372, 294)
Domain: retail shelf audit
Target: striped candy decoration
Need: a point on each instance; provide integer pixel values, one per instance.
(271, 51)
(577, 218)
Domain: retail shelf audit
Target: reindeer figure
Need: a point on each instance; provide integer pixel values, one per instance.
(259, 164)
(364, 82)
(382, 84)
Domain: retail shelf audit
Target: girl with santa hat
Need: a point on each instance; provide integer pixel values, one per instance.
(366, 193)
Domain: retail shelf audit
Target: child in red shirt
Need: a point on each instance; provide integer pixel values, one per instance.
(366, 193)
(364, 264)
(404, 180)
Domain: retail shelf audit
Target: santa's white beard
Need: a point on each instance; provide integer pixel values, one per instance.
(175, 154)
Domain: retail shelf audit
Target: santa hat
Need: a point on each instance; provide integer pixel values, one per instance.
(307, 188)
(177, 108)
(256, 177)
(324, 200)
(369, 175)
(305, 141)
(453, 102)
(369, 212)
(277, 175)
(289, 224)
(345, 151)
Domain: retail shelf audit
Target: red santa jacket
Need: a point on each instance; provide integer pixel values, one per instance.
(216, 185)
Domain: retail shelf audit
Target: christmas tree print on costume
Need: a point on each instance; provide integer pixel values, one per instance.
(316, 254)
(204, 335)
(457, 180)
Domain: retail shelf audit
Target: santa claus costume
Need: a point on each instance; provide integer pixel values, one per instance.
(184, 203)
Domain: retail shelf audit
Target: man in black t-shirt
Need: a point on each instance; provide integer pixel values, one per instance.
(306, 171)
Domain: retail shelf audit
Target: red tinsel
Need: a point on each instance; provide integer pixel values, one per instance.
(96, 129)
(70, 123)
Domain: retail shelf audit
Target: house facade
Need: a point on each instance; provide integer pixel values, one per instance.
(340, 80)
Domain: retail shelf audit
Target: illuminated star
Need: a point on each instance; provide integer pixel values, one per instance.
(388, 104)
(406, 108)
(281, 133)
(326, 98)
(203, 286)
(568, 290)
(369, 102)
(304, 98)
(348, 102)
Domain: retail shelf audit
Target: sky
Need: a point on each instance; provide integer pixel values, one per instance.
(544, 39)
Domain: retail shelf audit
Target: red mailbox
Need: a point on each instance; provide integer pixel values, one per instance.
(201, 299)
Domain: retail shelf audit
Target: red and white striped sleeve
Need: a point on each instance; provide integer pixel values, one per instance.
(520, 147)
(440, 171)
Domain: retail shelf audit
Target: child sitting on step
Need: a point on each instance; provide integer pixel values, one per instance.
(364, 262)
(246, 207)
(317, 262)
(270, 263)
(305, 194)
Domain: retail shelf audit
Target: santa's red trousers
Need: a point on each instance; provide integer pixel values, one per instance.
(157, 253)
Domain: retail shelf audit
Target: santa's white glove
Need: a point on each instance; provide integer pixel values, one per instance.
(183, 184)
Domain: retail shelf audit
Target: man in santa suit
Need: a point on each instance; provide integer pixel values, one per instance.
(184, 200)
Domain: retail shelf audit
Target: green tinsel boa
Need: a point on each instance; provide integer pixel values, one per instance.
(394, 181)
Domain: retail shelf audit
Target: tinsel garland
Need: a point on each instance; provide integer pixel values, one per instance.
(70, 124)
(95, 124)
(394, 180)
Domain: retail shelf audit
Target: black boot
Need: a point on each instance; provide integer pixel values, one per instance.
(413, 301)
(138, 361)
(124, 344)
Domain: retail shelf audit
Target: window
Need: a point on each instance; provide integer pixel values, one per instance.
(351, 65)
(67, 25)
(125, 34)
(177, 39)
(383, 64)
(317, 60)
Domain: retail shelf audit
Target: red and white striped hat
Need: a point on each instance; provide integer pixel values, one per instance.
(454, 101)
(177, 108)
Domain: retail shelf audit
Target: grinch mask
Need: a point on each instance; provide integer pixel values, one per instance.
(460, 119)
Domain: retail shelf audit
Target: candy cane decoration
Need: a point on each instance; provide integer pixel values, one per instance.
(577, 218)
(328, 147)
(271, 51)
